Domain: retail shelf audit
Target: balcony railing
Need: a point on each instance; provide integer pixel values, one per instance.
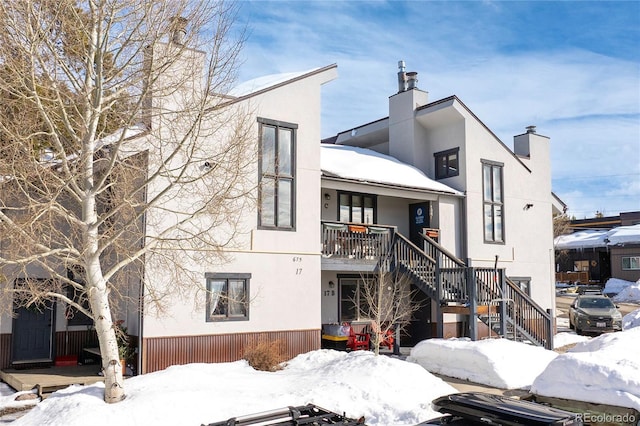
(356, 240)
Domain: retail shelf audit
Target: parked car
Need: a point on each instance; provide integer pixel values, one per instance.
(484, 408)
(594, 313)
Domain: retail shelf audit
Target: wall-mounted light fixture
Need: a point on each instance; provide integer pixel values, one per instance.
(332, 284)
(527, 206)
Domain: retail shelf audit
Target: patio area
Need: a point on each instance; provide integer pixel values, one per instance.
(48, 380)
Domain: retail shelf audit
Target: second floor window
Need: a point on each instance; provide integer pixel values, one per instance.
(493, 202)
(358, 208)
(277, 175)
(447, 163)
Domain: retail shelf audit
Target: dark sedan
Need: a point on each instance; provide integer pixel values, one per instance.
(594, 313)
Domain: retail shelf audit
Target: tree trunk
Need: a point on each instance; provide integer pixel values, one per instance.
(111, 366)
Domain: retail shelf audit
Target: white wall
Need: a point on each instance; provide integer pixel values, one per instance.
(284, 265)
(528, 232)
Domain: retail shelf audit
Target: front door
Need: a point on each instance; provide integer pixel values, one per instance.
(33, 334)
(418, 220)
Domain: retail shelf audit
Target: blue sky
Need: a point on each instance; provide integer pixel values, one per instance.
(572, 68)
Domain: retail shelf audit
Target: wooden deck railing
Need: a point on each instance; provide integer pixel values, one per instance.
(356, 240)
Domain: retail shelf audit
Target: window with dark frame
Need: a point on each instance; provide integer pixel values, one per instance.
(357, 208)
(492, 180)
(352, 299)
(277, 175)
(524, 283)
(447, 163)
(630, 263)
(227, 297)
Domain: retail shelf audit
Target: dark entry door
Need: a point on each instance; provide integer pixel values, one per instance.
(418, 220)
(420, 327)
(33, 334)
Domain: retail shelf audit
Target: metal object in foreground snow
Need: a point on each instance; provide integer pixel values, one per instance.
(292, 416)
(479, 407)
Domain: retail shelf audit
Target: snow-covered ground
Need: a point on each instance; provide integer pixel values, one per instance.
(386, 390)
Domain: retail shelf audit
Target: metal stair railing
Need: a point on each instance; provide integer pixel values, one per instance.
(523, 314)
(416, 263)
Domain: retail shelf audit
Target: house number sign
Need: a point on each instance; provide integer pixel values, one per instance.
(298, 259)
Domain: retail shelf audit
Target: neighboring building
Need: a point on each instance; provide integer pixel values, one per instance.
(428, 191)
(595, 255)
(606, 222)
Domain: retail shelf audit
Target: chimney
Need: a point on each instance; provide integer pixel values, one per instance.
(406, 80)
(177, 29)
(405, 137)
(402, 77)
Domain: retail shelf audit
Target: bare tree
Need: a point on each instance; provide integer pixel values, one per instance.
(387, 300)
(561, 226)
(120, 152)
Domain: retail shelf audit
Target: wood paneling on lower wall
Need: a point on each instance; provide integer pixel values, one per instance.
(72, 342)
(162, 352)
(5, 350)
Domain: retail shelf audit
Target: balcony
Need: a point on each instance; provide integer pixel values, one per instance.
(354, 246)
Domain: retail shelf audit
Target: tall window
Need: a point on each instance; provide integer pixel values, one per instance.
(631, 262)
(277, 175)
(447, 163)
(358, 208)
(73, 315)
(493, 202)
(227, 297)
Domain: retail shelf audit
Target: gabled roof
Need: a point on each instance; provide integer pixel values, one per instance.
(368, 166)
(273, 81)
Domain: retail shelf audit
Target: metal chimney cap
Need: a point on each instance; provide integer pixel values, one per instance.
(531, 129)
(412, 80)
(401, 65)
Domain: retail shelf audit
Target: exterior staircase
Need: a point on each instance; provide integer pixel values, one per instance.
(483, 293)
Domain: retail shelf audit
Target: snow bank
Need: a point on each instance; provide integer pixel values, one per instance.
(387, 391)
(568, 338)
(494, 362)
(628, 294)
(616, 285)
(603, 370)
(631, 320)
(8, 398)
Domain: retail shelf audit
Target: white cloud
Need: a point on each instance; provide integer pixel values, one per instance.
(587, 103)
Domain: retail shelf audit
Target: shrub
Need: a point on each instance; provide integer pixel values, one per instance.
(265, 356)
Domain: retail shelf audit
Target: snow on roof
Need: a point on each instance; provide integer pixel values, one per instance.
(624, 235)
(366, 165)
(589, 238)
(581, 239)
(266, 81)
